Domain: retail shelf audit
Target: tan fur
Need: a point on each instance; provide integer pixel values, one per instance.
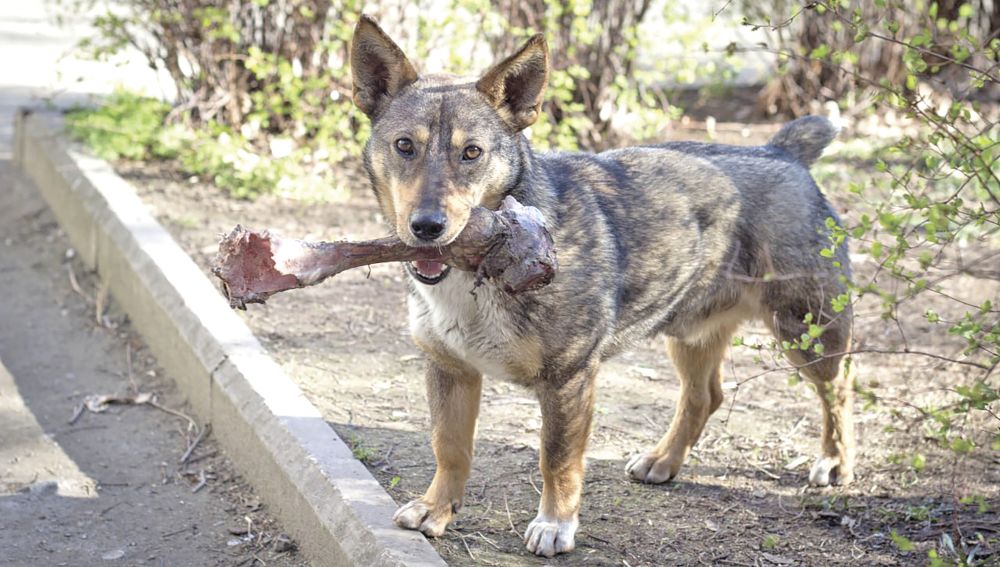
(527, 363)
(453, 392)
(459, 138)
(832, 377)
(406, 195)
(698, 366)
(568, 409)
(674, 240)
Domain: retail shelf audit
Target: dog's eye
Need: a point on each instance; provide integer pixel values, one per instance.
(404, 146)
(471, 153)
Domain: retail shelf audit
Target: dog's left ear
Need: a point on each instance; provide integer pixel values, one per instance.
(515, 86)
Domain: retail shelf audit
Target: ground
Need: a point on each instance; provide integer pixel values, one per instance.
(740, 500)
(107, 488)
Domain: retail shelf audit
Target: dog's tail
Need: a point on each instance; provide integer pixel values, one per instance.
(805, 138)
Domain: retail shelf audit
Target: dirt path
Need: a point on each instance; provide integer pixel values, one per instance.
(741, 500)
(109, 488)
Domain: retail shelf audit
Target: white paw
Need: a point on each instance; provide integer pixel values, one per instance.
(416, 515)
(651, 468)
(549, 536)
(827, 471)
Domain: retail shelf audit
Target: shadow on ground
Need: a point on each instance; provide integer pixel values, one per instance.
(711, 515)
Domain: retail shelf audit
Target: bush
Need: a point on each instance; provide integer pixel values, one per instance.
(261, 69)
(593, 49)
(127, 126)
(835, 50)
(917, 80)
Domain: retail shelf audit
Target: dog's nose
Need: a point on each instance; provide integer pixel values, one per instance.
(428, 226)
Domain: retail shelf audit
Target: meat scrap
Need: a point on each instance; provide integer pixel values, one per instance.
(510, 246)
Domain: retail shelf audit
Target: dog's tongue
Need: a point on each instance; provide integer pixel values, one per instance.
(429, 268)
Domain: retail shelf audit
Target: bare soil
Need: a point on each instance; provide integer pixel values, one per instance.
(107, 488)
(740, 500)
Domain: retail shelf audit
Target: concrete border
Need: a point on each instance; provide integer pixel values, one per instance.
(324, 497)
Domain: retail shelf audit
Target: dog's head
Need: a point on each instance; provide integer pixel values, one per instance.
(441, 145)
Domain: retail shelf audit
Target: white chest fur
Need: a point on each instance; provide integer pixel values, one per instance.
(476, 327)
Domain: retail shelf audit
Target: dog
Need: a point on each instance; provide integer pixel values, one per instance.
(683, 240)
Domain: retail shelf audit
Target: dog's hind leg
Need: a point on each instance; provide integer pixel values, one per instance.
(567, 409)
(453, 392)
(698, 365)
(831, 375)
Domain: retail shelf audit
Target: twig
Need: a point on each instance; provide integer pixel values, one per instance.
(128, 366)
(467, 548)
(194, 444)
(175, 532)
(600, 539)
(488, 540)
(758, 467)
(76, 285)
(532, 481)
(202, 481)
(509, 520)
(77, 413)
(194, 460)
(109, 508)
(721, 10)
(191, 422)
(100, 302)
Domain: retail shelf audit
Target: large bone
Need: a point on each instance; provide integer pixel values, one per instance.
(510, 246)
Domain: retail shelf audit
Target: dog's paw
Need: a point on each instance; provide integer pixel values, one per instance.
(652, 468)
(828, 470)
(549, 536)
(418, 515)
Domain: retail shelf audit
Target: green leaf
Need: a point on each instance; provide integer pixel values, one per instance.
(861, 34)
(962, 446)
(904, 544)
(820, 51)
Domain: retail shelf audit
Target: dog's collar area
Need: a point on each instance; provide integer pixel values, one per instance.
(428, 273)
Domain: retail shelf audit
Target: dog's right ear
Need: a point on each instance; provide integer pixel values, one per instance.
(378, 67)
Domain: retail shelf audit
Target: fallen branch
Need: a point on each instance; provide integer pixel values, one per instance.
(100, 403)
(510, 246)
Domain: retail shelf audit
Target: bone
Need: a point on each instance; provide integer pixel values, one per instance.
(510, 246)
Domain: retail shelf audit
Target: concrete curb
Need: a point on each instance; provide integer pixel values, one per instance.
(324, 497)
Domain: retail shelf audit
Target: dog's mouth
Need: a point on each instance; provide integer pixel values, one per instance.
(428, 272)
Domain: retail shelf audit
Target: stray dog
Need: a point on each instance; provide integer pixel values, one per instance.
(685, 240)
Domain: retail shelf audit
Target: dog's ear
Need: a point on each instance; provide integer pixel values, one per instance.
(378, 67)
(515, 86)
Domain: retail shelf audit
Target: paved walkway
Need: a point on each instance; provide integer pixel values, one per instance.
(107, 489)
(40, 68)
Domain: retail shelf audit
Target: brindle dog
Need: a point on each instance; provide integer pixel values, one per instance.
(683, 240)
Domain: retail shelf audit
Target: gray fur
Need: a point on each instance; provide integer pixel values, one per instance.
(679, 239)
(805, 138)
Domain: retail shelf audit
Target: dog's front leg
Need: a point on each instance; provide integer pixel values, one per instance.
(453, 392)
(567, 409)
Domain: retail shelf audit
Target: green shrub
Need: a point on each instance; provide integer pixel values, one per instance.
(127, 125)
